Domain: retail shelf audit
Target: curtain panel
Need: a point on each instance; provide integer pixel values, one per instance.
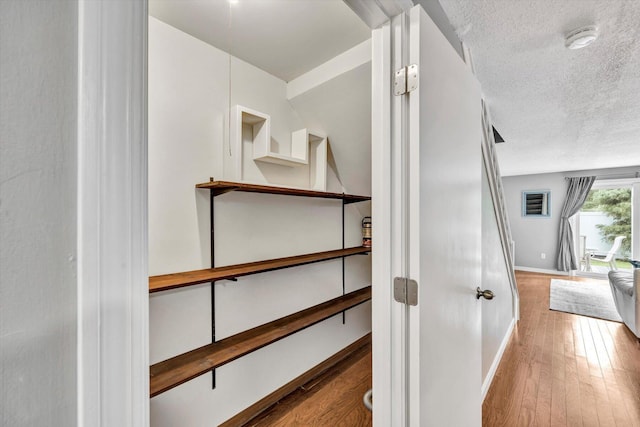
(577, 194)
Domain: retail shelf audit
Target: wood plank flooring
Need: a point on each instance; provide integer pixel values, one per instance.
(333, 399)
(561, 369)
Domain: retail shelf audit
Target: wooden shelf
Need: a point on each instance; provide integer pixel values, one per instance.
(221, 187)
(187, 278)
(182, 368)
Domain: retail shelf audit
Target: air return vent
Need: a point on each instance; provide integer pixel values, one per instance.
(536, 203)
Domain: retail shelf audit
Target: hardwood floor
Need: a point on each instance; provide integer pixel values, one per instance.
(561, 369)
(333, 399)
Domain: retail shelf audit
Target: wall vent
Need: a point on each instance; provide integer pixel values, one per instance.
(536, 203)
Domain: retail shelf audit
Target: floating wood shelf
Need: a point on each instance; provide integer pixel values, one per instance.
(221, 187)
(182, 368)
(178, 280)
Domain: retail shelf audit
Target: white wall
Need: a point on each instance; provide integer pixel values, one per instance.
(188, 139)
(437, 14)
(532, 235)
(38, 105)
(254, 88)
(326, 106)
(188, 100)
(497, 314)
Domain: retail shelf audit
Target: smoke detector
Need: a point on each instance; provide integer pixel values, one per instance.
(581, 37)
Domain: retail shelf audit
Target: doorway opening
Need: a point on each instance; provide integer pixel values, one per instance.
(605, 228)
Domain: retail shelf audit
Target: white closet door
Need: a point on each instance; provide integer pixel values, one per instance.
(426, 185)
(444, 357)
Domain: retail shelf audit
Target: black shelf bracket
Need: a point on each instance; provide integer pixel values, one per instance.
(228, 187)
(212, 195)
(343, 266)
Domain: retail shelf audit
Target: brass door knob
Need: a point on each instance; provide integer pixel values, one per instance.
(484, 294)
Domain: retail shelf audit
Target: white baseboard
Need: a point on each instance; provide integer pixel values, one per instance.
(496, 361)
(543, 270)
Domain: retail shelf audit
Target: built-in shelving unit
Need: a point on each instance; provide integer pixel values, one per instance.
(182, 368)
(187, 278)
(179, 369)
(308, 148)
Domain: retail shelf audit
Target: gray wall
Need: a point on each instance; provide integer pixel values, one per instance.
(38, 87)
(497, 313)
(532, 235)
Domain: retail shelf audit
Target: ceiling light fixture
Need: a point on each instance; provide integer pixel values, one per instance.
(581, 37)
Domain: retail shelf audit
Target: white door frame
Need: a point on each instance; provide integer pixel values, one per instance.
(635, 220)
(113, 298)
(381, 210)
(388, 317)
(390, 210)
(113, 332)
(634, 185)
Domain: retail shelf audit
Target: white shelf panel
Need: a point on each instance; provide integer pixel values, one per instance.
(280, 159)
(307, 148)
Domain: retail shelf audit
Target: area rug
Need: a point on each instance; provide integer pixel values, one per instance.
(591, 299)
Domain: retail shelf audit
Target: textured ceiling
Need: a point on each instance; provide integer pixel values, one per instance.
(285, 38)
(558, 109)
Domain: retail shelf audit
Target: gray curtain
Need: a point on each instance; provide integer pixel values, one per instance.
(576, 195)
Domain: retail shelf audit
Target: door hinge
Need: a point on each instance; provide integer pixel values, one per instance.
(405, 290)
(405, 80)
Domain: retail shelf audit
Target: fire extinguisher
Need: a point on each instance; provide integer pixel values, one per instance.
(366, 231)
